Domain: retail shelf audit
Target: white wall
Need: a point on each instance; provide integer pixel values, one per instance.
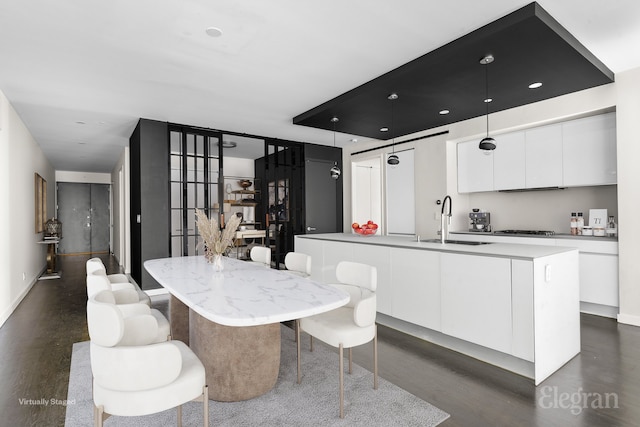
(547, 208)
(120, 209)
(627, 115)
(22, 259)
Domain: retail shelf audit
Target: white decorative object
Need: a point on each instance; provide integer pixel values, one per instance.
(598, 218)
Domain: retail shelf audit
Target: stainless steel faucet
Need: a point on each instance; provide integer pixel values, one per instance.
(444, 235)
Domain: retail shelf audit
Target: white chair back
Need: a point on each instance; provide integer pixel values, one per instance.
(297, 262)
(95, 264)
(357, 274)
(261, 255)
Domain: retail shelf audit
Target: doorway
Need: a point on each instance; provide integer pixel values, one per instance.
(366, 190)
(84, 210)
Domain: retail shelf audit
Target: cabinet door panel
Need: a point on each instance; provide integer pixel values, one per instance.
(378, 256)
(416, 287)
(544, 157)
(475, 168)
(522, 309)
(509, 162)
(599, 279)
(476, 299)
(589, 151)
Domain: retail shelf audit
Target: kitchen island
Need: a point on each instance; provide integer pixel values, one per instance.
(512, 305)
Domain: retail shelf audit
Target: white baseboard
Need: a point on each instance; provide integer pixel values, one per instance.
(629, 319)
(599, 309)
(5, 315)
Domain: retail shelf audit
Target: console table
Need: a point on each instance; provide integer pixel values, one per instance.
(51, 272)
(233, 317)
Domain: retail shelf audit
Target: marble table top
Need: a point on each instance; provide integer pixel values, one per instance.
(243, 294)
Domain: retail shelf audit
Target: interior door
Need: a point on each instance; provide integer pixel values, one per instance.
(84, 210)
(321, 198)
(282, 201)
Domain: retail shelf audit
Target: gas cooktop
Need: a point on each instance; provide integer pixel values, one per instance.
(528, 232)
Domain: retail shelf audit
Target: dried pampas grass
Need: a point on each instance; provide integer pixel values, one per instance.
(216, 241)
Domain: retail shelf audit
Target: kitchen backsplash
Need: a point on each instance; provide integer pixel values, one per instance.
(542, 210)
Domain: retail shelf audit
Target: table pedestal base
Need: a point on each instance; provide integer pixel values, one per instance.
(179, 318)
(240, 362)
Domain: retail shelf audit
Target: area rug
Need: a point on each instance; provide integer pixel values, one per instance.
(312, 403)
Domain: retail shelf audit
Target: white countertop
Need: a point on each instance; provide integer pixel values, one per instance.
(243, 294)
(506, 250)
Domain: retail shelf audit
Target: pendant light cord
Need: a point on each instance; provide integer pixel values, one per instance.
(486, 100)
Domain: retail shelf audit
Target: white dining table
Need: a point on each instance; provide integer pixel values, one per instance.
(231, 319)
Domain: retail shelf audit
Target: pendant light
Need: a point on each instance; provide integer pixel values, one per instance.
(487, 142)
(335, 170)
(393, 159)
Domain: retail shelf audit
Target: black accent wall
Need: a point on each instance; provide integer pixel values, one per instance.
(149, 151)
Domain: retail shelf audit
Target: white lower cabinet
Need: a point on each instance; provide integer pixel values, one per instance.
(378, 256)
(599, 279)
(476, 299)
(415, 278)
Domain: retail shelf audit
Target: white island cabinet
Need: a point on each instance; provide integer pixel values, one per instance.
(515, 306)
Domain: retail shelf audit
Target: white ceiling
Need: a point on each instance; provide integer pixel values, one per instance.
(108, 63)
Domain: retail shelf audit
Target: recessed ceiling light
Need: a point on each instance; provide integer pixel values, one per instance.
(488, 100)
(384, 129)
(443, 112)
(213, 32)
(535, 85)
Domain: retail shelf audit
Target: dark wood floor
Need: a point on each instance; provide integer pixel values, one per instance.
(599, 387)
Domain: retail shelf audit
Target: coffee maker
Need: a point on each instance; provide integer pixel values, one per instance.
(479, 221)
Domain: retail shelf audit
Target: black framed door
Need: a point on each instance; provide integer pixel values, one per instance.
(282, 187)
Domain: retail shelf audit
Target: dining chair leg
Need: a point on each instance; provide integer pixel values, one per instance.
(350, 363)
(179, 414)
(205, 408)
(310, 343)
(98, 412)
(297, 323)
(375, 359)
(341, 350)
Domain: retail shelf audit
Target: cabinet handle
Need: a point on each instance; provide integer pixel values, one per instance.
(311, 229)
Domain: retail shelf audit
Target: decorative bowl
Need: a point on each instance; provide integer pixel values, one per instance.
(245, 183)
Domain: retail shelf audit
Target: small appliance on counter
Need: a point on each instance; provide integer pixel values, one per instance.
(479, 221)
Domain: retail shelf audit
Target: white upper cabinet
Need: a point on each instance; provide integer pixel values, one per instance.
(544, 157)
(589, 151)
(509, 162)
(475, 168)
(576, 153)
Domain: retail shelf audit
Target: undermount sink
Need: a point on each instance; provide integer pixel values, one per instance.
(457, 242)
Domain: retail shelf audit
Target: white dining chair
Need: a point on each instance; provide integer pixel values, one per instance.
(127, 297)
(261, 255)
(350, 325)
(133, 375)
(298, 263)
(96, 265)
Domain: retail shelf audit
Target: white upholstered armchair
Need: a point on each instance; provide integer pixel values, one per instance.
(96, 264)
(261, 255)
(134, 375)
(298, 263)
(350, 325)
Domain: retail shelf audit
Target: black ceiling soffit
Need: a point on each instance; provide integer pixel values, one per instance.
(528, 45)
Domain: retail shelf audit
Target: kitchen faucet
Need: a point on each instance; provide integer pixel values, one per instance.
(445, 224)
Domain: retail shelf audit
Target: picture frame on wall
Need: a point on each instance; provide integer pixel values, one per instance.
(40, 203)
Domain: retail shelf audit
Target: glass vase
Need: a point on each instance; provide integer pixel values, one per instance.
(218, 263)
